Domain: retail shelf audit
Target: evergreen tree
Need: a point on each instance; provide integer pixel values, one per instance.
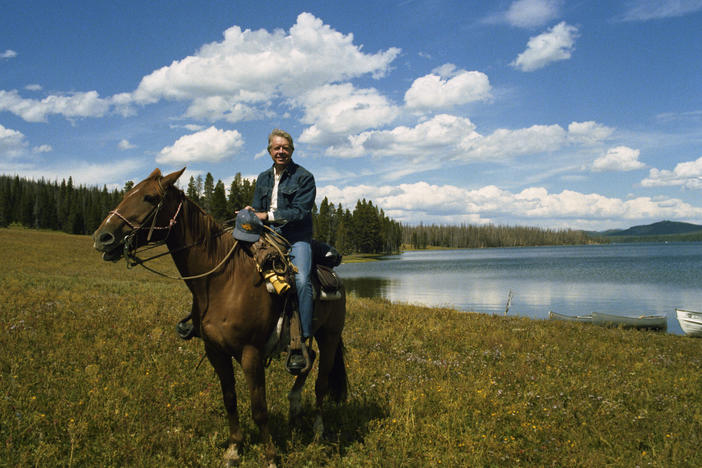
(192, 191)
(218, 205)
(40, 209)
(366, 228)
(341, 231)
(324, 222)
(345, 229)
(236, 199)
(4, 203)
(15, 196)
(76, 218)
(247, 191)
(26, 208)
(66, 205)
(208, 193)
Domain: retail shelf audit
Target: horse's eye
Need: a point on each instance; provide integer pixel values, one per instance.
(151, 199)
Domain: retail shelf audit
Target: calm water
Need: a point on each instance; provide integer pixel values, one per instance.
(627, 279)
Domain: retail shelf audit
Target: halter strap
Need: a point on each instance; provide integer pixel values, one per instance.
(129, 223)
(153, 214)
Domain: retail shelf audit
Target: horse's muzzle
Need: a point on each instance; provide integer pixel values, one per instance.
(105, 242)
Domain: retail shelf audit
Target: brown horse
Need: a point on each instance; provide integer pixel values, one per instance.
(232, 308)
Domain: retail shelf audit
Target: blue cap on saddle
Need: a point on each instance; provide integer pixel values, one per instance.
(248, 227)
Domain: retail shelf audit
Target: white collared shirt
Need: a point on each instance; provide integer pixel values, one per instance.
(274, 194)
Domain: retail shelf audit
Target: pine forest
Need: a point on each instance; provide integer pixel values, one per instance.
(364, 229)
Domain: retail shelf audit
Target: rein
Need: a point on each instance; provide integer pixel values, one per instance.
(185, 278)
(130, 252)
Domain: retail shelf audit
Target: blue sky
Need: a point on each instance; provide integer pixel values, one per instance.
(550, 113)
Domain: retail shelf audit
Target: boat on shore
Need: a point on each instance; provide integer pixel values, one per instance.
(650, 322)
(690, 321)
(570, 318)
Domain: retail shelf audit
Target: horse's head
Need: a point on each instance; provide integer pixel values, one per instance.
(138, 219)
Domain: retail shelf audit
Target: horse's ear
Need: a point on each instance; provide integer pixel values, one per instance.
(171, 178)
(155, 173)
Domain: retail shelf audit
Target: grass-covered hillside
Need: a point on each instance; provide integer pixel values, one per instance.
(92, 374)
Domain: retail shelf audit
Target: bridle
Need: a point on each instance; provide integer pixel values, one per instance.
(151, 215)
(129, 241)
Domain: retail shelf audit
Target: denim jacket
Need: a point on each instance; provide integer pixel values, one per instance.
(296, 195)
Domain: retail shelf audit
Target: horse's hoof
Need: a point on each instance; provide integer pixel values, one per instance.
(318, 429)
(232, 457)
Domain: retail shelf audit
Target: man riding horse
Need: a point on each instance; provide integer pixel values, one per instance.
(283, 198)
(236, 314)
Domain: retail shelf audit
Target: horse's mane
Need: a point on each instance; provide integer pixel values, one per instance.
(212, 235)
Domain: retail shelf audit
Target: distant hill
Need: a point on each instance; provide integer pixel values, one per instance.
(663, 231)
(662, 228)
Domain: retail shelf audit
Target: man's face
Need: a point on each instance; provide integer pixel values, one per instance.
(280, 151)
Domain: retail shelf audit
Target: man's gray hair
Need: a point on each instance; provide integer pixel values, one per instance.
(280, 133)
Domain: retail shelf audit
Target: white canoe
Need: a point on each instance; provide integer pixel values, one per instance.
(570, 318)
(690, 322)
(652, 322)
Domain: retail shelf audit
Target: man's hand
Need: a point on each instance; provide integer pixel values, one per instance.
(262, 216)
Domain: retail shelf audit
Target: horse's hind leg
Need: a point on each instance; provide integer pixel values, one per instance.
(222, 364)
(254, 371)
(328, 344)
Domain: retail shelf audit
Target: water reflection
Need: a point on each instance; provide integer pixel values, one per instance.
(630, 279)
(368, 287)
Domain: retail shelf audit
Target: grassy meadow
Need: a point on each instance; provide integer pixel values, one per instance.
(93, 374)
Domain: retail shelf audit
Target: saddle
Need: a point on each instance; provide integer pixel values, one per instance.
(271, 254)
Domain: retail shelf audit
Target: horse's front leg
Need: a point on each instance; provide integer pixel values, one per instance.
(254, 371)
(222, 364)
(295, 399)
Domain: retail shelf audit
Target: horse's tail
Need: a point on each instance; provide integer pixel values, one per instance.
(338, 380)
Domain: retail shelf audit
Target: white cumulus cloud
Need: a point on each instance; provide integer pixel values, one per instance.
(588, 133)
(620, 158)
(335, 111)
(686, 174)
(228, 108)
(211, 144)
(74, 105)
(449, 137)
(421, 201)
(504, 143)
(8, 54)
(555, 44)
(440, 136)
(446, 88)
(12, 142)
(243, 74)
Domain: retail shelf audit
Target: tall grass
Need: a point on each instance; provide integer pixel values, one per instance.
(94, 375)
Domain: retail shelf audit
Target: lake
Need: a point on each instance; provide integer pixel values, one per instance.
(627, 279)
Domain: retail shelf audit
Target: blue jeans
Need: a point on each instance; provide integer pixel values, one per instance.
(301, 257)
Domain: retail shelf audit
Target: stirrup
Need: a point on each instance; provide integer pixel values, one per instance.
(186, 329)
(300, 366)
